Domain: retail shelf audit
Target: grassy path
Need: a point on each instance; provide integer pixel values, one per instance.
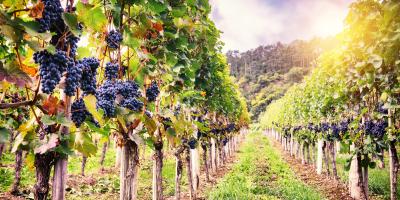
(261, 174)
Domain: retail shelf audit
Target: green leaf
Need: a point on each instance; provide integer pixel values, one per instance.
(92, 16)
(105, 131)
(72, 22)
(32, 28)
(4, 135)
(156, 6)
(48, 120)
(84, 144)
(130, 40)
(372, 165)
(90, 103)
(83, 52)
(171, 132)
(150, 124)
(344, 148)
(61, 119)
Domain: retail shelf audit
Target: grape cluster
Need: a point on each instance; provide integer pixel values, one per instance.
(375, 129)
(379, 129)
(106, 96)
(224, 141)
(192, 143)
(167, 122)
(128, 89)
(51, 16)
(51, 68)
(324, 127)
(152, 92)
(230, 127)
(344, 126)
(114, 39)
(89, 70)
(111, 71)
(79, 112)
(335, 134)
(72, 41)
(132, 104)
(381, 109)
(73, 77)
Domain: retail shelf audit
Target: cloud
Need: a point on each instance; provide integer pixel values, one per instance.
(247, 24)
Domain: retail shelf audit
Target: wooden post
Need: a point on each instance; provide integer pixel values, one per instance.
(320, 156)
(356, 184)
(393, 161)
(60, 167)
(129, 172)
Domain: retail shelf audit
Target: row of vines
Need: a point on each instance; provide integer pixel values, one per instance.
(139, 72)
(351, 98)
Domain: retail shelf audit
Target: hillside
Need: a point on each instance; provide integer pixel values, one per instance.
(266, 72)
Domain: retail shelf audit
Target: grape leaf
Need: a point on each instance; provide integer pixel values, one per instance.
(92, 16)
(4, 135)
(51, 142)
(13, 74)
(90, 103)
(72, 22)
(84, 144)
(53, 105)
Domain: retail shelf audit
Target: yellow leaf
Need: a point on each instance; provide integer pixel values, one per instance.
(90, 103)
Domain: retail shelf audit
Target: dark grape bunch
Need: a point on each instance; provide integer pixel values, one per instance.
(72, 41)
(224, 141)
(73, 77)
(128, 89)
(89, 70)
(111, 71)
(132, 104)
(114, 39)
(192, 143)
(375, 129)
(381, 109)
(107, 96)
(51, 16)
(335, 134)
(79, 112)
(51, 68)
(152, 92)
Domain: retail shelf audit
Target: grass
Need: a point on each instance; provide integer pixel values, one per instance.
(261, 174)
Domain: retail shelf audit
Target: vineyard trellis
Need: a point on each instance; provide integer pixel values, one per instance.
(349, 103)
(141, 72)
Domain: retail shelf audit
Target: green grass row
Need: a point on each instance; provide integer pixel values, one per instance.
(261, 174)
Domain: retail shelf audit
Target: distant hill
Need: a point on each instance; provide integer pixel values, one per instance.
(266, 72)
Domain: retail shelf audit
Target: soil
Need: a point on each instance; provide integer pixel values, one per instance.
(332, 189)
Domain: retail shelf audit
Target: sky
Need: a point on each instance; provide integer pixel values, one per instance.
(246, 24)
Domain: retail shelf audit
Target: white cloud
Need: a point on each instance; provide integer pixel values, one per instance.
(248, 23)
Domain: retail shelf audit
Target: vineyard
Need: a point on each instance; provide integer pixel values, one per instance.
(134, 99)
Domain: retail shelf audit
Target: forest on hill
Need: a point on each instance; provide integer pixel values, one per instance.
(265, 73)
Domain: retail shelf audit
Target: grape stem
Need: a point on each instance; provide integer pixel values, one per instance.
(22, 103)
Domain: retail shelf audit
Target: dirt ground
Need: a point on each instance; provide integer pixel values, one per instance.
(332, 189)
